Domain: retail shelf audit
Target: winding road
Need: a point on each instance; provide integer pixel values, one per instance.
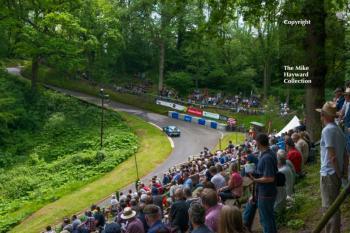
(193, 137)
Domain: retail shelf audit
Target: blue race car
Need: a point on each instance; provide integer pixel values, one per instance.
(172, 131)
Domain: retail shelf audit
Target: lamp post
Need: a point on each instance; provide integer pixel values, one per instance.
(103, 97)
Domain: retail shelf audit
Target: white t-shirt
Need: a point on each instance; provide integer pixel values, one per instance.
(332, 137)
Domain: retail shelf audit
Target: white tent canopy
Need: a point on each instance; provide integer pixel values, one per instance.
(291, 125)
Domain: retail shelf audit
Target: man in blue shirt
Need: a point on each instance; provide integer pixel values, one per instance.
(153, 218)
(339, 98)
(266, 189)
(197, 218)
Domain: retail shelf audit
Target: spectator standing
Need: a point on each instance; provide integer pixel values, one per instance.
(294, 156)
(133, 224)
(346, 121)
(153, 218)
(142, 216)
(157, 199)
(231, 220)
(209, 200)
(339, 98)
(266, 190)
(197, 218)
(179, 212)
(334, 161)
(217, 179)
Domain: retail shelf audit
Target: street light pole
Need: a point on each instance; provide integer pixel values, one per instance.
(102, 113)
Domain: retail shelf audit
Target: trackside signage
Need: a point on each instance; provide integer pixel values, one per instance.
(171, 105)
(211, 115)
(194, 111)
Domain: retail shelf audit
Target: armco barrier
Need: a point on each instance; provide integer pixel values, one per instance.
(213, 125)
(175, 115)
(187, 118)
(201, 121)
(197, 120)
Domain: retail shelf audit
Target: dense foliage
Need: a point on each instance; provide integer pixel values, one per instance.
(50, 146)
(232, 46)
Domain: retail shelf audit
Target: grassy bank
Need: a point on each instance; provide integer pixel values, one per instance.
(236, 138)
(50, 150)
(305, 212)
(154, 148)
(50, 147)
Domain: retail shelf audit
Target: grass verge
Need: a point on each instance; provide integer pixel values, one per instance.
(235, 137)
(305, 212)
(154, 149)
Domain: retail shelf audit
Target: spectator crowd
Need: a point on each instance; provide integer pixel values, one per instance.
(222, 191)
(212, 192)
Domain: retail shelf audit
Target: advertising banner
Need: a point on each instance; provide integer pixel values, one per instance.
(194, 111)
(224, 118)
(171, 105)
(211, 115)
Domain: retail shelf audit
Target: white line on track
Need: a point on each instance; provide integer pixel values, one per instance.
(169, 138)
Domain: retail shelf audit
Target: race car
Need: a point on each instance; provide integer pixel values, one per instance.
(172, 131)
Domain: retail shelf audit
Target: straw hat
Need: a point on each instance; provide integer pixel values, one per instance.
(328, 108)
(128, 213)
(338, 89)
(347, 91)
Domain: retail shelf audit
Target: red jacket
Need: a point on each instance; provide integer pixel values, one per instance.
(295, 157)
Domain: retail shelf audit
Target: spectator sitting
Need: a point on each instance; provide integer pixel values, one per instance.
(287, 171)
(174, 185)
(90, 222)
(112, 227)
(217, 179)
(133, 224)
(288, 162)
(302, 146)
(294, 156)
(188, 196)
(234, 189)
(75, 223)
(67, 225)
(231, 220)
(197, 219)
(99, 218)
(49, 230)
(187, 181)
(179, 212)
(209, 200)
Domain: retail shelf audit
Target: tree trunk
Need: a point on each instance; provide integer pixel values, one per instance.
(315, 59)
(35, 68)
(266, 81)
(161, 64)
